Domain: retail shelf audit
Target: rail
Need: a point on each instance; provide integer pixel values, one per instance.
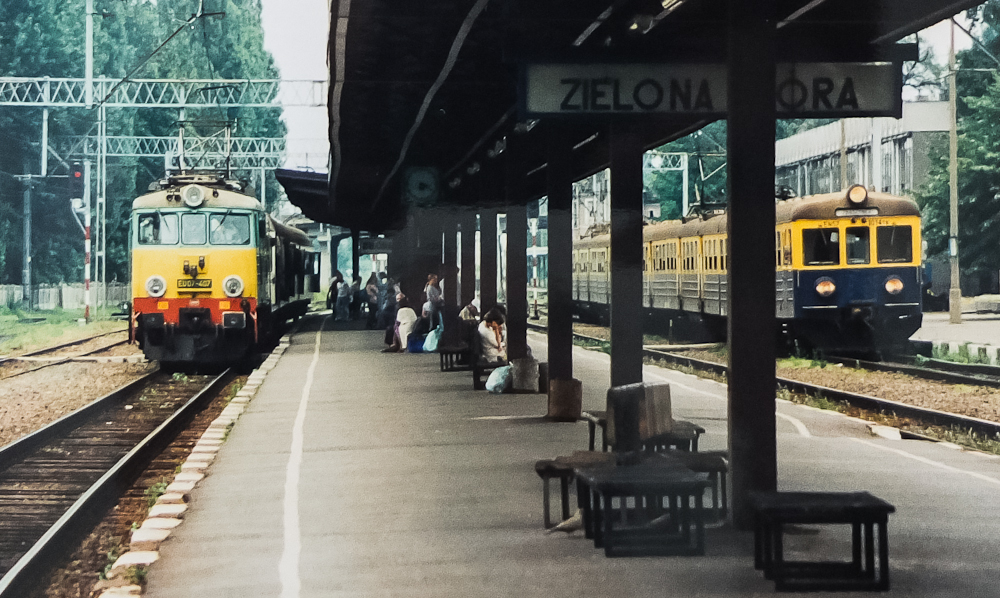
(90, 507)
(931, 416)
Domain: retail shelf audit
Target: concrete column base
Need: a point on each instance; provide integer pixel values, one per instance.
(565, 400)
(524, 372)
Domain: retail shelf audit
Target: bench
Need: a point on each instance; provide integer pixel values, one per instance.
(564, 468)
(480, 368)
(458, 357)
(862, 511)
(659, 510)
(683, 434)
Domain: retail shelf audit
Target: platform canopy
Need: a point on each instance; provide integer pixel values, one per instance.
(424, 93)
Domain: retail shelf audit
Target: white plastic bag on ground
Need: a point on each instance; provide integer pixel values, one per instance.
(499, 380)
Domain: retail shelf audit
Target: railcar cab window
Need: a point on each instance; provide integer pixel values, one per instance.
(821, 246)
(229, 229)
(895, 244)
(858, 241)
(157, 229)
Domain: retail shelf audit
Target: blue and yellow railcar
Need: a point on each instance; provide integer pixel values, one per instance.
(213, 275)
(848, 272)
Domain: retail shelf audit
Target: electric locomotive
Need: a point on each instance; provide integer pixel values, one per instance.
(848, 272)
(213, 275)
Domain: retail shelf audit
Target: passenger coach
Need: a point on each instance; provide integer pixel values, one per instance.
(848, 272)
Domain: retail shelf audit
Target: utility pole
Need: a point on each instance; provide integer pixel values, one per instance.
(89, 55)
(955, 292)
(26, 272)
(86, 240)
(843, 154)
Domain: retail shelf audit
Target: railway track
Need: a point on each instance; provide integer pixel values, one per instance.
(16, 366)
(58, 482)
(983, 375)
(59, 347)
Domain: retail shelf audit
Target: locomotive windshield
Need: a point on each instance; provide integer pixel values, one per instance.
(229, 229)
(193, 229)
(821, 246)
(895, 244)
(157, 229)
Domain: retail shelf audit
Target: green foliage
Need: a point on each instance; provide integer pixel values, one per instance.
(112, 555)
(154, 492)
(978, 164)
(135, 575)
(47, 38)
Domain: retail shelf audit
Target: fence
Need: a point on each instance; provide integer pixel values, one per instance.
(65, 296)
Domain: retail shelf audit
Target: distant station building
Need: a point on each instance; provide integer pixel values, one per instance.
(893, 155)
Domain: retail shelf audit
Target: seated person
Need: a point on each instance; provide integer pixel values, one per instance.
(492, 337)
(405, 317)
(423, 324)
(469, 313)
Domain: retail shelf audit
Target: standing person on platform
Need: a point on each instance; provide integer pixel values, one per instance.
(357, 298)
(331, 295)
(343, 302)
(371, 298)
(433, 294)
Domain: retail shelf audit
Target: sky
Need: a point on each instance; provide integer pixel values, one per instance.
(296, 33)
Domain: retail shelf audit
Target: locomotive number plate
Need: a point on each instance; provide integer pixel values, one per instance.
(194, 283)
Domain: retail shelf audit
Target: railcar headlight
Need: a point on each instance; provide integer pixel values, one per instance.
(857, 194)
(193, 196)
(232, 286)
(825, 287)
(156, 286)
(893, 285)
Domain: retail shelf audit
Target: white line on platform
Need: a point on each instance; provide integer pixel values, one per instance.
(931, 462)
(801, 427)
(288, 567)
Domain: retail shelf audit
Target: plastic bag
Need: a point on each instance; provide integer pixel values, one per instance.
(431, 342)
(499, 380)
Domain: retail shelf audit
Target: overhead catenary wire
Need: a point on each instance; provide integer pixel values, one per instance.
(198, 15)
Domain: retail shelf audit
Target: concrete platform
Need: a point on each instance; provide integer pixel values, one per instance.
(357, 473)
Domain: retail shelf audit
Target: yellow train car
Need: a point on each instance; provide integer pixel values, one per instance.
(213, 275)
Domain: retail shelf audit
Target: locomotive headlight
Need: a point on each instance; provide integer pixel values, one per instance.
(893, 285)
(156, 286)
(232, 286)
(825, 287)
(193, 196)
(857, 194)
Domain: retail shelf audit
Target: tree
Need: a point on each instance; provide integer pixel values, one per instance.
(46, 37)
(978, 161)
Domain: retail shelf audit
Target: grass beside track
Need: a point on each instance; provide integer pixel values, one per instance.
(21, 332)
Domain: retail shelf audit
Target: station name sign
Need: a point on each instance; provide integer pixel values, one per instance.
(802, 90)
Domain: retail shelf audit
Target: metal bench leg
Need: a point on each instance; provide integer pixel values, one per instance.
(869, 551)
(883, 555)
(856, 546)
(545, 502)
(564, 488)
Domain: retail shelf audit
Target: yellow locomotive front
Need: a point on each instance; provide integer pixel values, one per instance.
(198, 246)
